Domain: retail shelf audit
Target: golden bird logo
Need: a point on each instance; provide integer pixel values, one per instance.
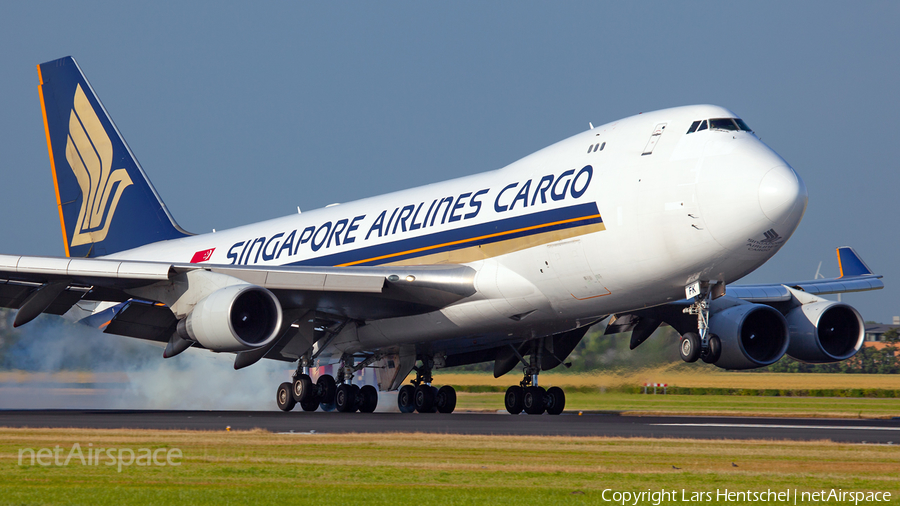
(89, 153)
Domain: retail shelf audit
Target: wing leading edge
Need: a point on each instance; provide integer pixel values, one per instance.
(49, 284)
(855, 277)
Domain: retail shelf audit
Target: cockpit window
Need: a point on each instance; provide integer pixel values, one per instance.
(732, 124)
(742, 125)
(722, 124)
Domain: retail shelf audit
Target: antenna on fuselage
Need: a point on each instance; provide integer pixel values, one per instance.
(591, 125)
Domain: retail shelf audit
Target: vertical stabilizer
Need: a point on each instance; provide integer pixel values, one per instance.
(106, 203)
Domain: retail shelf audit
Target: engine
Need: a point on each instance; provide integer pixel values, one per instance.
(235, 318)
(752, 335)
(824, 331)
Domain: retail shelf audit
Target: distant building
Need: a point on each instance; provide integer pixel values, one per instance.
(875, 332)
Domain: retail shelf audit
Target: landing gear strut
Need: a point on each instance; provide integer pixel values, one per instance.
(528, 396)
(702, 344)
(421, 396)
(349, 397)
(303, 391)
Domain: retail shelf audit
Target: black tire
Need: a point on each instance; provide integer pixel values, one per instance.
(445, 399)
(534, 400)
(345, 399)
(302, 388)
(715, 350)
(424, 399)
(328, 407)
(284, 398)
(555, 400)
(356, 397)
(406, 399)
(310, 404)
(325, 388)
(369, 399)
(515, 399)
(689, 348)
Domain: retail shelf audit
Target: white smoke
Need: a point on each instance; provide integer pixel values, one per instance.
(52, 363)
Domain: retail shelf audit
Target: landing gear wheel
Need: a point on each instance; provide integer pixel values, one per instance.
(325, 388)
(690, 347)
(302, 388)
(515, 399)
(345, 398)
(284, 398)
(445, 400)
(534, 400)
(715, 350)
(555, 400)
(310, 404)
(424, 399)
(406, 399)
(369, 399)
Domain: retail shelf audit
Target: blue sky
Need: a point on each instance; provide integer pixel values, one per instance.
(242, 113)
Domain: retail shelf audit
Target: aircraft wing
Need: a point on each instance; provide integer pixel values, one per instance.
(35, 285)
(855, 277)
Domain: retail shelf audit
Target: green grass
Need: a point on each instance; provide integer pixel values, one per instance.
(261, 468)
(852, 407)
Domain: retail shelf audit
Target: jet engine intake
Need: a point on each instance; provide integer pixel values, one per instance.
(235, 318)
(752, 335)
(825, 331)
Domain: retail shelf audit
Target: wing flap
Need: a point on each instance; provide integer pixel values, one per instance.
(143, 320)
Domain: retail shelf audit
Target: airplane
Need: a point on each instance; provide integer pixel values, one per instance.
(641, 222)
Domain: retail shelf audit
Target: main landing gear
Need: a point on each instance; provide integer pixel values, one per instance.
(326, 392)
(421, 396)
(528, 396)
(702, 344)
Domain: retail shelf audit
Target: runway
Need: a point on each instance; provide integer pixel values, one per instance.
(567, 424)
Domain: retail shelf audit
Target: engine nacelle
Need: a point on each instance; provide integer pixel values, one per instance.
(235, 318)
(825, 331)
(752, 335)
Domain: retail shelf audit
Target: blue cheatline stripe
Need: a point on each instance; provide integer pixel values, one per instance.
(465, 237)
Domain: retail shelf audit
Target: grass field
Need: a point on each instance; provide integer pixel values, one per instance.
(733, 405)
(592, 395)
(258, 467)
(690, 377)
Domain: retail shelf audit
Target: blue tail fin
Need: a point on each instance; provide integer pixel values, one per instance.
(850, 264)
(106, 203)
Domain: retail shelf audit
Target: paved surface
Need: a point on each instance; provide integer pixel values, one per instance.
(567, 424)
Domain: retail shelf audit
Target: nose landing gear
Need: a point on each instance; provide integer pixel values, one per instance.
(701, 344)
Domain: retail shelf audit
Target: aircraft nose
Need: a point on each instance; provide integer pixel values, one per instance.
(782, 194)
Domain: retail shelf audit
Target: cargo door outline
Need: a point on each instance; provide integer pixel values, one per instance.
(568, 261)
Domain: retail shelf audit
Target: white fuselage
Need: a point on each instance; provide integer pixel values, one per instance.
(558, 238)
